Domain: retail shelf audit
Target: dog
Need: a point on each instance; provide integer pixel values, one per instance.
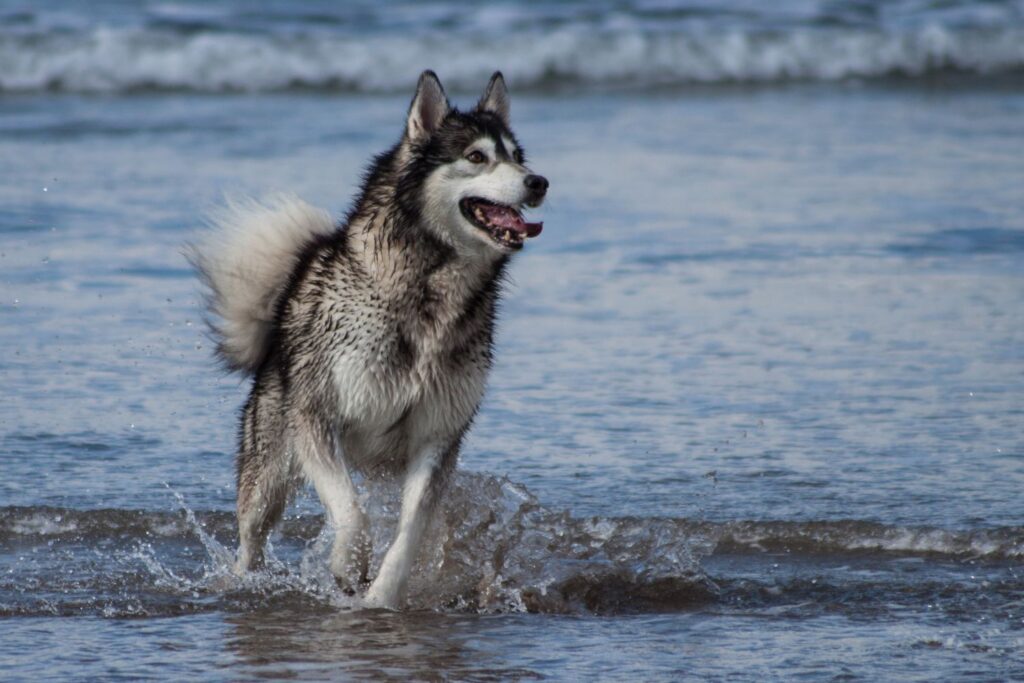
(369, 341)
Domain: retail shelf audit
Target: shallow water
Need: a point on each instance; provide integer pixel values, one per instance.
(756, 411)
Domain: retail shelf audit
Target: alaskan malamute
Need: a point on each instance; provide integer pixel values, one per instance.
(370, 340)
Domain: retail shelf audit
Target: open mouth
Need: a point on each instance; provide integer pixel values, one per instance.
(503, 223)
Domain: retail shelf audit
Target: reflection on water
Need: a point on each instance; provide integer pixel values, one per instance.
(279, 643)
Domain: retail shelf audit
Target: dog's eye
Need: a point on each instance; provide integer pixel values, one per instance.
(476, 157)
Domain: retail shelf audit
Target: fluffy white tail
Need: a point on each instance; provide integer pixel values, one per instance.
(246, 260)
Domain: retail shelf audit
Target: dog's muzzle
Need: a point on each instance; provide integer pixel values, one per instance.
(536, 187)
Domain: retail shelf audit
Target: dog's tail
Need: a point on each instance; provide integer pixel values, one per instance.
(245, 261)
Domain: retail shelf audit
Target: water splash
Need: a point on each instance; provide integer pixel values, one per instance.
(513, 554)
(275, 578)
(492, 548)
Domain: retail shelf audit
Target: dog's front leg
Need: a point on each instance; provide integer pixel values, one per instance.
(426, 476)
(323, 464)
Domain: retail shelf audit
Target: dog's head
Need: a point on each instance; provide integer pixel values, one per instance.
(467, 172)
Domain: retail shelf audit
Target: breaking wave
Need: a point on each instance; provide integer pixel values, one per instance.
(119, 59)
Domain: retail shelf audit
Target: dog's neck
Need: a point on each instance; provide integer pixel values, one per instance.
(414, 269)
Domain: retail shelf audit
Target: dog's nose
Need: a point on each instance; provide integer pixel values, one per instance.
(537, 184)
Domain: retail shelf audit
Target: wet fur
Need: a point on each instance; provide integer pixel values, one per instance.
(370, 342)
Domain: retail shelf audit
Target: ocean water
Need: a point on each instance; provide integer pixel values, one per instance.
(758, 406)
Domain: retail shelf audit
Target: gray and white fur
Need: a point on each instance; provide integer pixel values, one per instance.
(370, 341)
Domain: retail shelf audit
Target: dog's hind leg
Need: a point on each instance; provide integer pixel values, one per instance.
(424, 482)
(264, 474)
(323, 465)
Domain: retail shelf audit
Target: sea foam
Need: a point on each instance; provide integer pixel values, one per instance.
(110, 59)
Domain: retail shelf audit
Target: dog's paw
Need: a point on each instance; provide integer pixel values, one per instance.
(350, 562)
(381, 597)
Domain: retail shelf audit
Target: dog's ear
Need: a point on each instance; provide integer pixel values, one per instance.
(428, 109)
(495, 98)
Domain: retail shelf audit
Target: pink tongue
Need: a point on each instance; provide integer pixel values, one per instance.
(506, 217)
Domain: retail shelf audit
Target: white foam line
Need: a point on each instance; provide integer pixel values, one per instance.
(121, 59)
